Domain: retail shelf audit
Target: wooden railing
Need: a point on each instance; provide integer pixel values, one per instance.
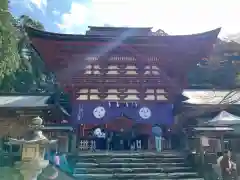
(87, 144)
(90, 144)
(166, 144)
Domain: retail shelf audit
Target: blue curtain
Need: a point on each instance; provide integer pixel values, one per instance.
(160, 113)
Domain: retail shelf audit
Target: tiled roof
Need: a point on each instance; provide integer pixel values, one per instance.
(23, 101)
(211, 96)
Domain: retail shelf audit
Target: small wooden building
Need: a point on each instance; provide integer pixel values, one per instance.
(203, 105)
(17, 110)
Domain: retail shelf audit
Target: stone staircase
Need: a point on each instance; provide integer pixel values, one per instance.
(133, 165)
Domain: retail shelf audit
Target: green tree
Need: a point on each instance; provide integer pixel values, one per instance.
(31, 76)
(9, 62)
(218, 71)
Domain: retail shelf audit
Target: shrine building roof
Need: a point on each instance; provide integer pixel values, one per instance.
(131, 39)
(53, 46)
(116, 31)
(117, 28)
(67, 54)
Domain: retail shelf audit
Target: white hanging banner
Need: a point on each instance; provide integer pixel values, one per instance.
(205, 141)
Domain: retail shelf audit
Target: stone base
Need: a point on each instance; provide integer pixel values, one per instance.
(31, 169)
(9, 173)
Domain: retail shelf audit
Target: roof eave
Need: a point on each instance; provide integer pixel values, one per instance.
(32, 32)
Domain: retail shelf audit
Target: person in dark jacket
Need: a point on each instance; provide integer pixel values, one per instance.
(110, 138)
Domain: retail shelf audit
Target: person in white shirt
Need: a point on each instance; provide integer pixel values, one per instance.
(97, 132)
(100, 140)
(228, 167)
(219, 157)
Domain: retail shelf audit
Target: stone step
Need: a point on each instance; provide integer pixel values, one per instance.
(178, 175)
(132, 170)
(133, 166)
(146, 179)
(132, 159)
(128, 165)
(167, 179)
(128, 154)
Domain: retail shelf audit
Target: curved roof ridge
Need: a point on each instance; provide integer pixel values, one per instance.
(118, 27)
(39, 33)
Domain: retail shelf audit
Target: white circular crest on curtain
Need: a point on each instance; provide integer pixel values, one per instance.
(145, 113)
(99, 112)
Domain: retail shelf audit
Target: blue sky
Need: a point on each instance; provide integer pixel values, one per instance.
(173, 16)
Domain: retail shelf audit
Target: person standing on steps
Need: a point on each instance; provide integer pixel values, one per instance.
(228, 167)
(57, 159)
(110, 141)
(157, 133)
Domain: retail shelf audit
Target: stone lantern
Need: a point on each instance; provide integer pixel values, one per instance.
(33, 144)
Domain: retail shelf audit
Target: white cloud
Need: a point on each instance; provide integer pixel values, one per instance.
(173, 16)
(56, 12)
(74, 18)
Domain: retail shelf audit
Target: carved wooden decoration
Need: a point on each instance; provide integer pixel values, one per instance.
(122, 79)
(122, 94)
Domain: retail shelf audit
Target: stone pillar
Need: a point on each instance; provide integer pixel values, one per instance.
(31, 169)
(32, 161)
(33, 150)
